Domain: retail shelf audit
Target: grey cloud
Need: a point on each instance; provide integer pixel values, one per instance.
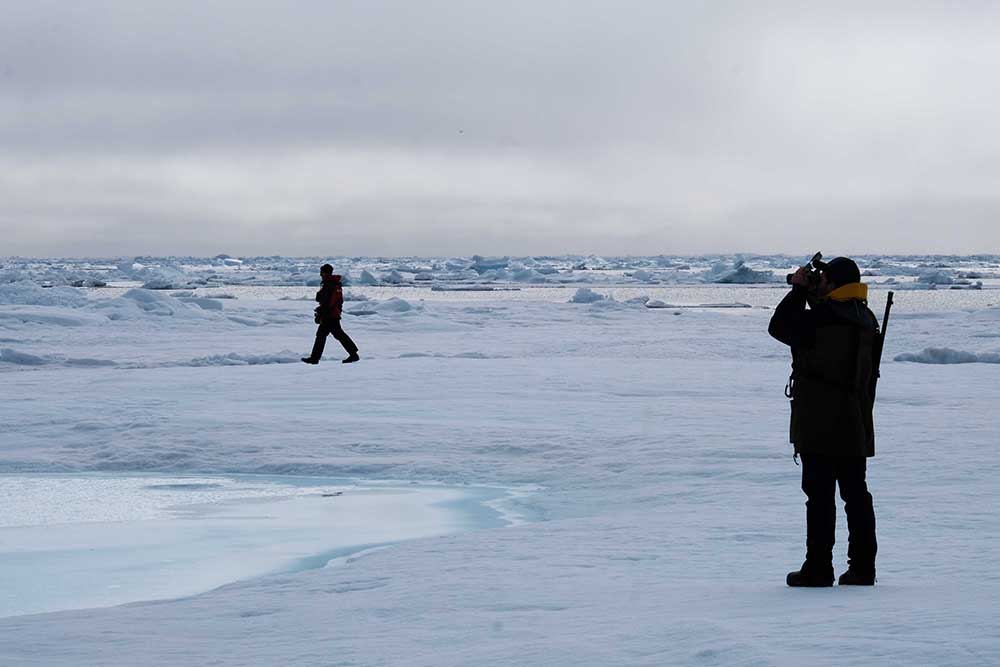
(624, 125)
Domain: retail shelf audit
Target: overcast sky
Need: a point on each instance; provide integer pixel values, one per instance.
(389, 128)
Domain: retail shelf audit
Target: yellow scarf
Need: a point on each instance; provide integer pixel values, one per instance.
(849, 291)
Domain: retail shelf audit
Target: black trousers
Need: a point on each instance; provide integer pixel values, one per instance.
(331, 327)
(820, 475)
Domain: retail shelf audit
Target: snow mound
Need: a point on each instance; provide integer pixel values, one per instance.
(367, 279)
(238, 359)
(28, 293)
(90, 363)
(393, 305)
(141, 302)
(165, 277)
(21, 358)
(608, 304)
(248, 321)
(88, 282)
(48, 316)
(482, 264)
(11, 276)
(738, 274)
(202, 302)
(935, 278)
(586, 295)
(439, 355)
(946, 355)
(18, 358)
(394, 277)
(525, 275)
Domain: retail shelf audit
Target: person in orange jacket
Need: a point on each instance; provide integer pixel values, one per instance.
(330, 298)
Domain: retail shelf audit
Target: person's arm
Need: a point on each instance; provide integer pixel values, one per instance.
(337, 302)
(323, 299)
(791, 323)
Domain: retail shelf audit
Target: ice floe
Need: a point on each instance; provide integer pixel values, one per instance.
(587, 295)
(946, 355)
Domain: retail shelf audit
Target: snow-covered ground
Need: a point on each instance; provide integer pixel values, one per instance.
(645, 447)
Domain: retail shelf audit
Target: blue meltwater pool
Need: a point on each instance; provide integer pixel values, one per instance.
(94, 540)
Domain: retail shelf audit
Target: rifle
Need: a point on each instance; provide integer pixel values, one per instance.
(878, 345)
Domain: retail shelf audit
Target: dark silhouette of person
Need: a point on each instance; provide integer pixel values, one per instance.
(330, 298)
(831, 427)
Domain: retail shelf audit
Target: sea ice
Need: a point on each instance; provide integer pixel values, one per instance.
(946, 355)
(586, 295)
(30, 293)
(739, 274)
(75, 541)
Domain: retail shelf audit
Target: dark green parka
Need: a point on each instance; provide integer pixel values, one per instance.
(832, 344)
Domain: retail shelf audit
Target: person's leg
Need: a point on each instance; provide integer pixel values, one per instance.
(322, 331)
(345, 340)
(862, 546)
(819, 485)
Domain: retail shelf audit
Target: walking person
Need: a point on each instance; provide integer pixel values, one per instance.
(331, 306)
(832, 427)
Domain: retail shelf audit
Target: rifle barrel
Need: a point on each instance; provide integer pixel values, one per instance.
(879, 347)
(885, 317)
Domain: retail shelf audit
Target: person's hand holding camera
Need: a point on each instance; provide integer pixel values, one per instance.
(801, 277)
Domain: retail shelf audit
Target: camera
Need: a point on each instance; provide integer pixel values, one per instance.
(814, 266)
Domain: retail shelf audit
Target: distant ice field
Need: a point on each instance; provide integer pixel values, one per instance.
(935, 283)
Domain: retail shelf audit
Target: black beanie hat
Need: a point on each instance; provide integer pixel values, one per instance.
(842, 271)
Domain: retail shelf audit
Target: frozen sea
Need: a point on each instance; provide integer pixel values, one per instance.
(73, 541)
(547, 482)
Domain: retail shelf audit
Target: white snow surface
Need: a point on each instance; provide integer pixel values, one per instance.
(665, 507)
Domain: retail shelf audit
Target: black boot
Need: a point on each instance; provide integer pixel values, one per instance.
(351, 359)
(810, 576)
(310, 360)
(857, 577)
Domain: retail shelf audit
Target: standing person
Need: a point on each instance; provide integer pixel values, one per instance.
(832, 426)
(331, 305)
